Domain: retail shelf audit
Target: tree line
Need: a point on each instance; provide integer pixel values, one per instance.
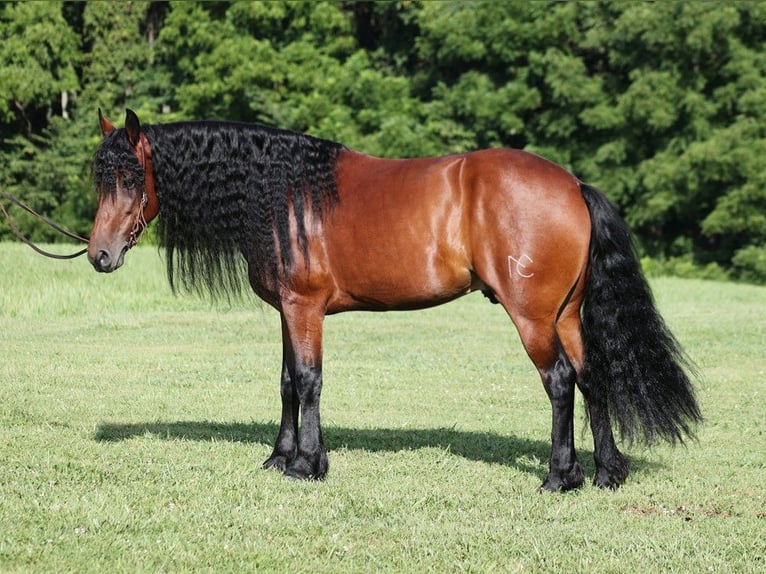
(660, 104)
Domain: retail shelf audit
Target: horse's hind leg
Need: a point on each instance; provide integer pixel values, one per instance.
(611, 465)
(559, 377)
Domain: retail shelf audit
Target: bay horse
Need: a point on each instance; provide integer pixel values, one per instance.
(316, 228)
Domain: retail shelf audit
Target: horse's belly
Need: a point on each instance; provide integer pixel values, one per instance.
(389, 273)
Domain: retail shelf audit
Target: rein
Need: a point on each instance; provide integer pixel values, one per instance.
(45, 220)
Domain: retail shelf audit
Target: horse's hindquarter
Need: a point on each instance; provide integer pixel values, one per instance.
(397, 237)
(530, 230)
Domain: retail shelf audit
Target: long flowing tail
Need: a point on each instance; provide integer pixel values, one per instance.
(631, 357)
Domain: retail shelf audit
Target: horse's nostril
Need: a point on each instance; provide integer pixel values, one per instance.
(103, 259)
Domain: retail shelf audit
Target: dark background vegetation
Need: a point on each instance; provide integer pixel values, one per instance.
(661, 105)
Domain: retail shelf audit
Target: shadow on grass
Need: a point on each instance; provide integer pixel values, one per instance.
(526, 455)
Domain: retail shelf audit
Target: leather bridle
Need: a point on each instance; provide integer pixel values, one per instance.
(142, 219)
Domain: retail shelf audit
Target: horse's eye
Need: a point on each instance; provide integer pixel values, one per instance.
(128, 181)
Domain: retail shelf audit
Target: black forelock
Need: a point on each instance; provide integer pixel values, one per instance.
(114, 155)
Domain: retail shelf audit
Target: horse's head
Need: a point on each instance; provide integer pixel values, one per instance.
(127, 200)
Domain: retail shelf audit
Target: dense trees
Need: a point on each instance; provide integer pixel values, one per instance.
(660, 104)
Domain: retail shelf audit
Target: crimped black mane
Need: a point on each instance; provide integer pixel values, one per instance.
(225, 191)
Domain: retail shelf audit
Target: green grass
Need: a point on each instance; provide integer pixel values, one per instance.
(133, 424)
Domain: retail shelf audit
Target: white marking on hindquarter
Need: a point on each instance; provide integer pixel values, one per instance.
(518, 266)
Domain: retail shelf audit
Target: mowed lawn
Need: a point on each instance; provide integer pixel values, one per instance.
(133, 424)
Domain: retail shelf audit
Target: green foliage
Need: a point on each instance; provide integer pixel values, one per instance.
(750, 263)
(39, 53)
(61, 188)
(659, 104)
(119, 70)
(682, 266)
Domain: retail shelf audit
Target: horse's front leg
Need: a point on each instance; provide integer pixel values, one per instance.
(286, 446)
(305, 458)
(311, 460)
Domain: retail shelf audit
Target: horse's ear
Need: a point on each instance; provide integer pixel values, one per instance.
(106, 125)
(132, 127)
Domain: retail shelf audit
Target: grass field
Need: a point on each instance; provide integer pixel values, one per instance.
(133, 424)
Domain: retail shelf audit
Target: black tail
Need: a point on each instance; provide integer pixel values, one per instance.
(632, 359)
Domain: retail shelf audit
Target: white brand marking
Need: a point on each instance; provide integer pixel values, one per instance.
(518, 266)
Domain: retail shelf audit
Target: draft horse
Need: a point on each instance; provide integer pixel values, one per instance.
(316, 228)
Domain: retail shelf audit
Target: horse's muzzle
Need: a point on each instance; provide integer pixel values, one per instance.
(104, 262)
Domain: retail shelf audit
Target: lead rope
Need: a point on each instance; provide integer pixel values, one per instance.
(45, 220)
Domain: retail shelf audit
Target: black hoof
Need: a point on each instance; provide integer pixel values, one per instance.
(561, 482)
(307, 467)
(604, 480)
(614, 475)
(276, 461)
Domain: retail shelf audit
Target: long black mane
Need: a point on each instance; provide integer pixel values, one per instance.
(225, 192)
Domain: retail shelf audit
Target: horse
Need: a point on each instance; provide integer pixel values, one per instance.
(315, 228)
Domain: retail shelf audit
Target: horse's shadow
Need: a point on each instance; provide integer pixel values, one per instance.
(527, 455)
